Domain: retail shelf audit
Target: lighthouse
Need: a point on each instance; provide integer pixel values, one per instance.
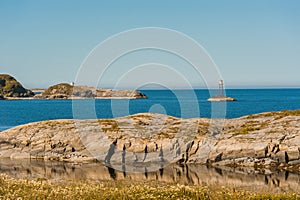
(221, 89)
(221, 94)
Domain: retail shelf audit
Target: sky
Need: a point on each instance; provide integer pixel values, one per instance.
(253, 43)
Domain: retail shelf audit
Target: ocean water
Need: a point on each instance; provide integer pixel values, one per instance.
(178, 103)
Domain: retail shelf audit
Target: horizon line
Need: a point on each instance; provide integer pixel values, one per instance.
(193, 88)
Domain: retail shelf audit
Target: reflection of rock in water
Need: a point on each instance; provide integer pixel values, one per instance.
(112, 173)
(146, 173)
(184, 174)
(161, 172)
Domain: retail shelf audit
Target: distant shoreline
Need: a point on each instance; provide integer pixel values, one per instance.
(35, 90)
(72, 98)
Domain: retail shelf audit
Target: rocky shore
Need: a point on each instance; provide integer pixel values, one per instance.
(11, 88)
(262, 141)
(67, 91)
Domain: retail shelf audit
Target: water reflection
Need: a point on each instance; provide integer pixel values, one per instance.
(280, 181)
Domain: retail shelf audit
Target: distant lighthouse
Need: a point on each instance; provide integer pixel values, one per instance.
(221, 94)
(221, 89)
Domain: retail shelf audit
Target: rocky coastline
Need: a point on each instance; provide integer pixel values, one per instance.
(67, 91)
(11, 89)
(263, 141)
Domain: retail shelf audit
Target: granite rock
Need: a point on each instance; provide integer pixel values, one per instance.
(267, 140)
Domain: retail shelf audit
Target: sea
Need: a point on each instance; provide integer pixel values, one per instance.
(177, 103)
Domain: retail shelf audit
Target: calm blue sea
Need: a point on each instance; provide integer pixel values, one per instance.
(179, 103)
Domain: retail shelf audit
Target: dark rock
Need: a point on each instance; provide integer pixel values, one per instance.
(10, 87)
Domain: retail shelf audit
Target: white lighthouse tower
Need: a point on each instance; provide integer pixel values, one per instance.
(221, 94)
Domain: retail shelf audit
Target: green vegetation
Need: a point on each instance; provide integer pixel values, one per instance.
(140, 116)
(202, 129)
(286, 113)
(245, 130)
(109, 125)
(258, 123)
(165, 134)
(250, 126)
(255, 125)
(276, 115)
(42, 189)
(63, 88)
(10, 87)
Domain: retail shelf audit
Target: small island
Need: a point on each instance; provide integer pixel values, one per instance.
(221, 95)
(11, 89)
(68, 91)
(221, 98)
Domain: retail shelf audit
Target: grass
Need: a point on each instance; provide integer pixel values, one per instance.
(245, 129)
(42, 189)
(286, 113)
(109, 125)
(253, 125)
(250, 127)
(276, 115)
(202, 129)
(139, 116)
(165, 134)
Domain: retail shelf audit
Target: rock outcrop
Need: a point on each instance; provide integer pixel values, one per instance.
(267, 140)
(10, 87)
(67, 91)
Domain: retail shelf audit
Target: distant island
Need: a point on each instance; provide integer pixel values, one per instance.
(10, 88)
(67, 91)
(221, 98)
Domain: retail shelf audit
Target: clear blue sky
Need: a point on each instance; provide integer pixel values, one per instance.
(254, 43)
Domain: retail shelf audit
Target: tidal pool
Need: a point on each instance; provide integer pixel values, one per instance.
(239, 178)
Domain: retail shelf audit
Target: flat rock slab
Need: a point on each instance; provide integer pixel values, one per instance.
(266, 140)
